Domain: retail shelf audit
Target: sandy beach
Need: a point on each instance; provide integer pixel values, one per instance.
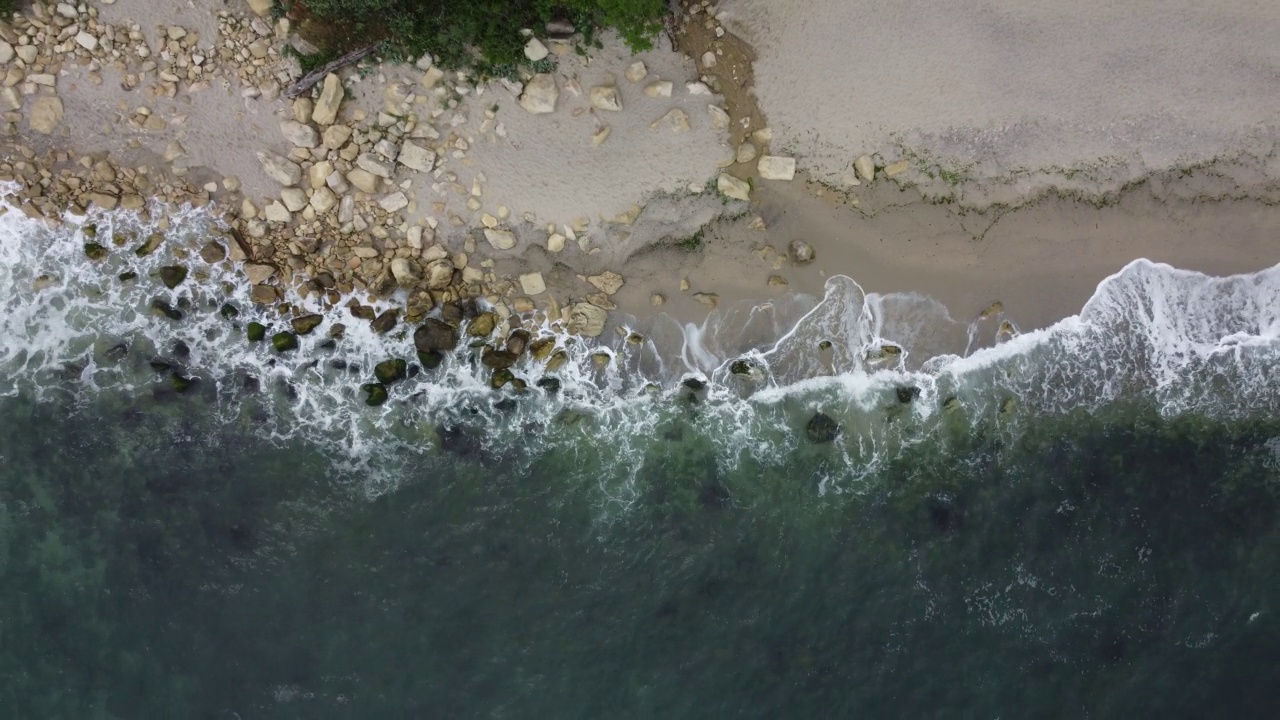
(993, 152)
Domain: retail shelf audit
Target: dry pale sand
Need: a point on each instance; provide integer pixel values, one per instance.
(1011, 96)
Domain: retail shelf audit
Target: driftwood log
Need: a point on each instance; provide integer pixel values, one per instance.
(319, 74)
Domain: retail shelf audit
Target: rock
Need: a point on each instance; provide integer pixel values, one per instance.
(600, 136)
(482, 325)
(586, 320)
(373, 164)
(498, 359)
(94, 251)
(46, 113)
(555, 242)
(103, 200)
(777, 281)
(323, 200)
(532, 284)
(264, 294)
(800, 252)
(375, 394)
(608, 282)
(256, 332)
(299, 135)
(284, 341)
(86, 41)
(326, 109)
(746, 153)
(605, 97)
(172, 275)
(277, 212)
(229, 311)
(394, 202)
(540, 94)
(907, 394)
(384, 323)
(821, 429)
(518, 341)
(149, 245)
(282, 170)
(363, 180)
(405, 272)
(435, 335)
(657, 300)
(675, 119)
(774, 167)
(258, 273)
(294, 199)
(636, 72)
(897, 168)
(335, 136)
(535, 50)
(866, 167)
(6, 52)
(439, 274)
(719, 117)
(732, 187)
(416, 157)
(389, 371)
(659, 89)
(306, 324)
(709, 299)
(500, 239)
(560, 28)
(164, 309)
(261, 7)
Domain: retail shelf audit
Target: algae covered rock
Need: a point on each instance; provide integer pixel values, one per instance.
(160, 307)
(229, 311)
(430, 359)
(389, 371)
(94, 251)
(306, 324)
(172, 275)
(498, 359)
(907, 394)
(482, 325)
(375, 394)
(435, 336)
(149, 246)
(284, 341)
(256, 331)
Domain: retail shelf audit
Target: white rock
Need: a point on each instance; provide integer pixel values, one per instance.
(605, 97)
(416, 157)
(299, 135)
(86, 41)
(535, 50)
(540, 94)
(636, 71)
(318, 174)
(708, 59)
(609, 282)
(731, 186)
(28, 53)
(46, 113)
(346, 209)
(866, 167)
(371, 163)
(533, 284)
(774, 167)
(600, 136)
(280, 169)
(323, 200)
(405, 272)
(276, 212)
(659, 89)
(719, 117)
(258, 273)
(500, 239)
(897, 168)
(326, 109)
(676, 119)
(261, 7)
(746, 152)
(439, 274)
(387, 149)
(555, 242)
(335, 136)
(6, 52)
(394, 202)
(698, 88)
(294, 199)
(66, 10)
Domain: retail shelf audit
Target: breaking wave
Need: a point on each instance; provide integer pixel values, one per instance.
(889, 371)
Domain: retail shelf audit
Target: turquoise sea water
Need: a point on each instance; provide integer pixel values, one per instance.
(1074, 522)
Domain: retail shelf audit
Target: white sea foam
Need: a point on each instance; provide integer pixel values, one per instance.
(1189, 342)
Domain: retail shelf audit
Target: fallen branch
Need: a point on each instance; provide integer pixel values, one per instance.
(316, 76)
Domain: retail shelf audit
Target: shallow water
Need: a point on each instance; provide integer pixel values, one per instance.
(1078, 521)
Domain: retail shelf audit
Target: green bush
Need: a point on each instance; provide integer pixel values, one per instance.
(479, 34)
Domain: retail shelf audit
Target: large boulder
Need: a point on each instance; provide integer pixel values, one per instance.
(540, 94)
(46, 113)
(587, 320)
(326, 109)
(435, 335)
(821, 428)
(281, 169)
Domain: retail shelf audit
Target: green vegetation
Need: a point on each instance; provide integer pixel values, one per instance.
(483, 35)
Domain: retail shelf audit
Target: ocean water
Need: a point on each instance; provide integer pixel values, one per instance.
(1078, 521)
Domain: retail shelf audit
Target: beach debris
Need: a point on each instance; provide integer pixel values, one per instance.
(540, 94)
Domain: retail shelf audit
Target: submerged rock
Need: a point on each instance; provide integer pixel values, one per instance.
(160, 307)
(430, 359)
(256, 332)
(284, 341)
(229, 311)
(375, 394)
(389, 371)
(501, 377)
(800, 252)
(694, 384)
(549, 384)
(172, 275)
(94, 251)
(557, 360)
(181, 384)
(542, 347)
(740, 367)
(821, 429)
(306, 324)
(384, 323)
(907, 394)
(498, 359)
(149, 246)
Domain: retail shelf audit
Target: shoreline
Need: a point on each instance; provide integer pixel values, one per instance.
(1041, 257)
